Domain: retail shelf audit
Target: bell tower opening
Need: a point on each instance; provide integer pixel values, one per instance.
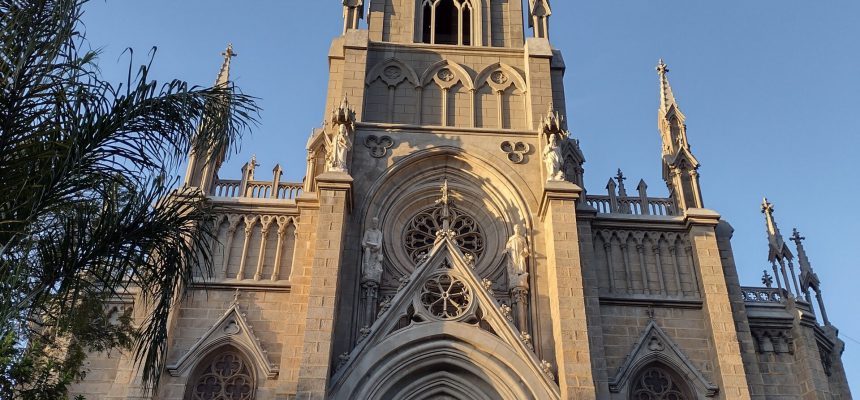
(446, 22)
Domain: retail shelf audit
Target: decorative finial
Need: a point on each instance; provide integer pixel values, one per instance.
(651, 314)
(236, 297)
(767, 207)
(229, 53)
(662, 68)
(796, 238)
(620, 177)
(767, 280)
(224, 73)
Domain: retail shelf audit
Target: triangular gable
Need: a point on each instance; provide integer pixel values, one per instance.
(484, 312)
(656, 346)
(683, 154)
(231, 329)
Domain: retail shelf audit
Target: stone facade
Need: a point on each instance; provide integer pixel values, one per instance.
(445, 130)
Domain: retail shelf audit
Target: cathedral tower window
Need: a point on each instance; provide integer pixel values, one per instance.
(658, 383)
(447, 22)
(224, 375)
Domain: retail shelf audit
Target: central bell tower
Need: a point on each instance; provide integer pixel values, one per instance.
(453, 94)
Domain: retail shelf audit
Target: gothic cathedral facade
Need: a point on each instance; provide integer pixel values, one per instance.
(443, 245)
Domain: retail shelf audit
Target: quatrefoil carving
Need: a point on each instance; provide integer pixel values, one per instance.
(378, 145)
(516, 151)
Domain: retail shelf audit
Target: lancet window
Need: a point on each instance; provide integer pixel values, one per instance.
(447, 22)
(658, 383)
(225, 375)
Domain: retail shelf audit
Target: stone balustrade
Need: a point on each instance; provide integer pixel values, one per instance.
(248, 187)
(256, 189)
(618, 202)
(763, 295)
(631, 205)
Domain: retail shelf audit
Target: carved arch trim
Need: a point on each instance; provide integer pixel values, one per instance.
(471, 176)
(460, 74)
(379, 72)
(230, 330)
(484, 344)
(655, 346)
(513, 78)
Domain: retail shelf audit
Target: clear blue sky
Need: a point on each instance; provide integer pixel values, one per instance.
(770, 89)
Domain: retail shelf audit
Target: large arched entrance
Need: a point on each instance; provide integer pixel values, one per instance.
(442, 360)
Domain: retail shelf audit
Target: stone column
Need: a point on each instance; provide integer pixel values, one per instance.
(334, 192)
(567, 291)
(729, 372)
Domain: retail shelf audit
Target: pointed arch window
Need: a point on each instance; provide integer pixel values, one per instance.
(447, 22)
(224, 375)
(659, 383)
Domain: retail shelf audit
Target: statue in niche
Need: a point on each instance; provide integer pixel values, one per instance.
(553, 159)
(339, 149)
(518, 254)
(371, 270)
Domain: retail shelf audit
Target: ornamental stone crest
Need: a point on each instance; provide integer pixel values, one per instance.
(516, 151)
(378, 145)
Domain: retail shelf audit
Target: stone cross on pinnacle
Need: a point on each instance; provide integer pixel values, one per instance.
(796, 238)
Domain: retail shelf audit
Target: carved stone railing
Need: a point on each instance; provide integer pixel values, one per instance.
(763, 295)
(256, 189)
(618, 202)
(631, 205)
(247, 187)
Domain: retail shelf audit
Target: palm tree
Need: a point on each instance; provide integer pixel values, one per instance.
(88, 207)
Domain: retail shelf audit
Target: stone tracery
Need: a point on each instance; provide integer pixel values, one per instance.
(226, 377)
(657, 384)
(421, 232)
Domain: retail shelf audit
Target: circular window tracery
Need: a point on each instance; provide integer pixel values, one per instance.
(657, 384)
(226, 377)
(446, 297)
(421, 232)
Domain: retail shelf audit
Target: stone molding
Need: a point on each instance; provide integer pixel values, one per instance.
(231, 329)
(449, 333)
(656, 346)
(558, 190)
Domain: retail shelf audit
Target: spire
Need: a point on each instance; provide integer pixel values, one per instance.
(539, 13)
(680, 167)
(224, 73)
(202, 168)
(672, 120)
(808, 278)
(778, 248)
(667, 98)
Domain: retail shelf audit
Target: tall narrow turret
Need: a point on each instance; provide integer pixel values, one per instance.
(808, 277)
(779, 255)
(202, 169)
(680, 167)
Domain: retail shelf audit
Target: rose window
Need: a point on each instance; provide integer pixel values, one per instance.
(227, 377)
(421, 233)
(446, 297)
(656, 384)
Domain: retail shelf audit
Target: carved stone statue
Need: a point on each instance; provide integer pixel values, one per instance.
(339, 149)
(553, 159)
(518, 254)
(371, 270)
